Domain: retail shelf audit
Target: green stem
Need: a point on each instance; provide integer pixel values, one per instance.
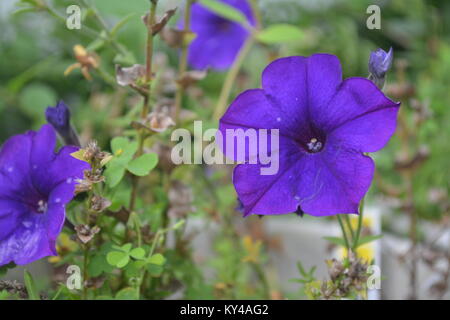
(359, 227)
(152, 250)
(349, 226)
(146, 106)
(183, 59)
(231, 77)
(85, 271)
(256, 13)
(262, 277)
(344, 233)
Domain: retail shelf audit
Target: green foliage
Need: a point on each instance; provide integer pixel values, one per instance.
(280, 33)
(224, 10)
(33, 294)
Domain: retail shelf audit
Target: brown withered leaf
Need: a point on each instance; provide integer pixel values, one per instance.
(129, 76)
(158, 26)
(99, 203)
(160, 120)
(190, 77)
(82, 186)
(86, 233)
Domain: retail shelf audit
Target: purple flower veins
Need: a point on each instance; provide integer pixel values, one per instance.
(217, 40)
(35, 186)
(325, 125)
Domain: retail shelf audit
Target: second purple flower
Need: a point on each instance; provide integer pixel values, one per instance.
(217, 40)
(325, 125)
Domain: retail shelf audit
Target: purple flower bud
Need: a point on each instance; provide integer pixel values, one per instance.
(379, 64)
(59, 118)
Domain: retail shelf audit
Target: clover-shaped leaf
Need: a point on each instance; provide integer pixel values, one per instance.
(123, 151)
(137, 253)
(118, 259)
(142, 165)
(122, 255)
(155, 264)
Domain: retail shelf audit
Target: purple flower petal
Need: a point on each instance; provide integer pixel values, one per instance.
(218, 40)
(59, 168)
(35, 186)
(334, 181)
(28, 242)
(360, 116)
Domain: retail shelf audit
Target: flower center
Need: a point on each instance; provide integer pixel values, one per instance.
(314, 145)
(42, 206)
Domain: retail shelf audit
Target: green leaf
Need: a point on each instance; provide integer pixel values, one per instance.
(367, 239)
(127, 247)
(58, 292)
(114, 173)
(137, 253)
(35, 98)
(280, 33)
(123, 150)
(178, 225)
(127, 294)
(224, 10)
(142, 165)
(336, 240)
(4, 295)
(98, 264)
(30, 285)
(118, 259)
(154, 270)
(121, 23)
(157, 259)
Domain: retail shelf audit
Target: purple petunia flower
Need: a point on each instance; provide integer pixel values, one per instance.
(217, 40)
(325, 125)
(35, 186)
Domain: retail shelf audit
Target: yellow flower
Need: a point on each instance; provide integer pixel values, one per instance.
(63, 246)
(366, 252)
(252, 248)
(367, 222)
(86, 61)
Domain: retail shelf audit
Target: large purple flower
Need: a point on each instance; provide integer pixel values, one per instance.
(325, 125)
(217, 40)
(35, 186)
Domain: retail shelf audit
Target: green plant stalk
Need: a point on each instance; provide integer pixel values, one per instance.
(256, 13)
(152, 250)
(183, 59)
(262, 277)
(231, 77)
(85, 271)
(344, 233)
(146, 106)
(359, 227)
(349, 226)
